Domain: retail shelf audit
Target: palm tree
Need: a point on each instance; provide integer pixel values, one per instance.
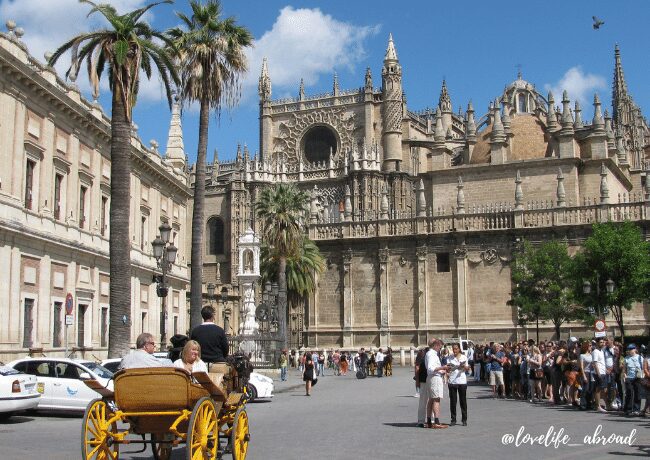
(211, 62)
(282, 209)
(126, 47)
(301, 270)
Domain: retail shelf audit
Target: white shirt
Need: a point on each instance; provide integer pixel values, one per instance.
(598, 361)
(457, 376)
(198, 366)
(432, 362)
(470, 354)
(609, 357)
(379, 357)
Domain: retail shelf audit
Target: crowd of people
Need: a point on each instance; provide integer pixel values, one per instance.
(600, 375)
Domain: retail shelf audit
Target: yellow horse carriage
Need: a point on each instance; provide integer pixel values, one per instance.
(200, 410)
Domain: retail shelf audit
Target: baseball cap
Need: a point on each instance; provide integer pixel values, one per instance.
(631, 346)
(573, 339)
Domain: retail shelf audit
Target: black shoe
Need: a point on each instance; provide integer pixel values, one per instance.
(453, 422)
(464, 423)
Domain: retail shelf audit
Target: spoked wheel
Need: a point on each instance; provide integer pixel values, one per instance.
(240, 435)
(161, 446)
(203, 432)
(96, 441)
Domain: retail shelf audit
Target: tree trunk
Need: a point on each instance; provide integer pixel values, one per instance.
(282, 302)
(618, 315)
(120, 242)
(557, 330)
(196, 274)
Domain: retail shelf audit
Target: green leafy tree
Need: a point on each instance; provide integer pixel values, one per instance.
(281, 209)
(211, 62)
(617, 252)
(543, 279)
(127, 46)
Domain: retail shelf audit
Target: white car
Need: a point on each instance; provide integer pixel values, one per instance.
(60, 381)
(17, 391)
(113, 364)
(261, 386)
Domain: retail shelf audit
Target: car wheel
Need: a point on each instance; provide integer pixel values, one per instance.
(5, 416)
(252, 393)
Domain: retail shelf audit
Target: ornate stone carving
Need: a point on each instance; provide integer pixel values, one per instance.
(490, 256)
(347, 256)
(292, 131)
(460, 253)
(421, 252)
(383, 255)
(402, 261)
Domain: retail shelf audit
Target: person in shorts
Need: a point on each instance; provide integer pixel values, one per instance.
(496, 371)
(434, 384)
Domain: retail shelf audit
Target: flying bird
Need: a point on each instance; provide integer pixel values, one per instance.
(597, 23)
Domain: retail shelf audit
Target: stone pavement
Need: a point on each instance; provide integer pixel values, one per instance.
(346, 418)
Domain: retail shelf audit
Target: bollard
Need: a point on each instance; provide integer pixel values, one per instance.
(412, 356)
(402, 357)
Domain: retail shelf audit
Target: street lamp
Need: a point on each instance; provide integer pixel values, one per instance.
(211, 289)
(609, 287)
(164, 252)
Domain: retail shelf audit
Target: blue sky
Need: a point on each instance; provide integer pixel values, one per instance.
(477, 46)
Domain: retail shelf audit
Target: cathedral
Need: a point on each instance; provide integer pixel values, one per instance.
(418, 213)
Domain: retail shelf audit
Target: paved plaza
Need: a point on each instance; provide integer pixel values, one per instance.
(346, 418)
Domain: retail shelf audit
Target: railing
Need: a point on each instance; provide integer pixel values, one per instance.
(264, 351)
(497, 220)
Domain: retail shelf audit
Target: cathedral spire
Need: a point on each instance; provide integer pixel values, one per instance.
(335, 85)
(619, 87)
(175, 148)
(264, 86)
(551, 119)
(391, 54)
(445, 101)
(301, 90)
(368, 82)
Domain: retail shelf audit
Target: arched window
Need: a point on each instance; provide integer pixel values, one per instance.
(523, 104)
(215, 239)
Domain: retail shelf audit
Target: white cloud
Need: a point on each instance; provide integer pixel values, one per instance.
(578, 84)
(304, 43)
(50, 23)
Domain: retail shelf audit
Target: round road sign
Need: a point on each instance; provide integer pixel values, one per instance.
(68, 304)
(600, 325)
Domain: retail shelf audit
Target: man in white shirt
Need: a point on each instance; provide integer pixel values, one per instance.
(143, 356)
(600, 371)
(609, 352)
(434, 385)
(379, 360)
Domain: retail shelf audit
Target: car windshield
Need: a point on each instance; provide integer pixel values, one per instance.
(100, 370)
(5, 370)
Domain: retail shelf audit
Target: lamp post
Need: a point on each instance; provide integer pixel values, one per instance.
(165, 253)
(225, 310)
(211, 289)
(609, 287)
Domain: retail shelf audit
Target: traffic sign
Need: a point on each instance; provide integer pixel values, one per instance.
(69, 304)
(600, 334)
(600, 325)
(69, 320)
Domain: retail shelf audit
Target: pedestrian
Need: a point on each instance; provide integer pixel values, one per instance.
(379, 360)
(632, 375)
(211, 337)
(421, 391)
(586, 375)
(496, 371)
(434, 384)
(610, 373)
(599, 373)
(321, 363)
(284, 362)
(343, 363)
(308, 374)
(458, 366)
(478, 363)
(363, 360)
(470, 357)
(536, 374)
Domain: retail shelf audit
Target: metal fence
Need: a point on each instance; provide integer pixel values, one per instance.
(264, 352)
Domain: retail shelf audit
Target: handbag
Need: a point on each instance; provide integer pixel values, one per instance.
(314, 382)
(539, 373)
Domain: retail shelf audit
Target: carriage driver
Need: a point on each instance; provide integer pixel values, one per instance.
(143, 356)
(212, 338)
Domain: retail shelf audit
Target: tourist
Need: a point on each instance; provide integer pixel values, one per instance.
(470, 357)
(308, 374)
(321, 364)
(421, 391)
(515, 372)
(284, 361)
(363, 361)
(336, 361)
(143, 355)
(458, 367)
(536, 374)
(632, 375)
(343, 363)
(586, 375)
(379, 360)
(190, 359)
(212, 338)
(571, 370)
(557, 358)
(546, 350)
(523, 371)
(599, 373)
(434, 384)
(496, 371)
(610, 373)
(478, 363)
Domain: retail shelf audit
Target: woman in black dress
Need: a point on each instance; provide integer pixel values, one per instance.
(308, 373)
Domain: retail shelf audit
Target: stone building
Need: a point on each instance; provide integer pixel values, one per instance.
(54, 209)
(418, 213)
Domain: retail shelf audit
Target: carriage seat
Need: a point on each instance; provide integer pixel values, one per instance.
(156, 389)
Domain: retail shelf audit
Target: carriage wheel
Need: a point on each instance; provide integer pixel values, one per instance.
(161, 447)
(240, 435)
(202, 431)
(96, 441)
